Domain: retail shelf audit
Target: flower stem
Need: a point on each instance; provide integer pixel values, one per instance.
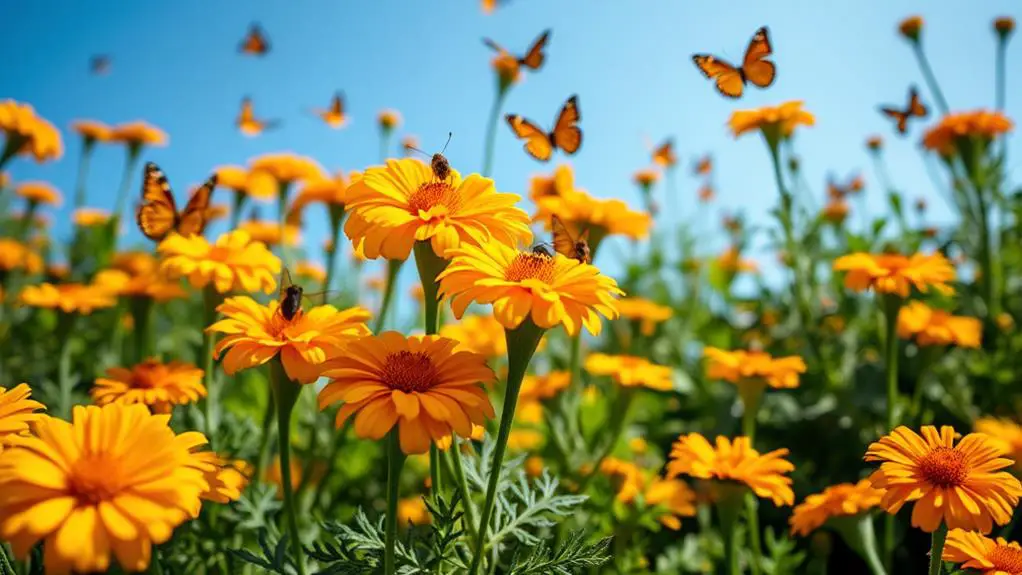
(435, 477)
(122, 192)
(384, 144)
(83, 172)
(491, 130)
(238, 204)
(1002, 45)
(931, 80)
(286, 393)
(13, 143)
(937, 549)
(729, 507)
(336, 218)
(65, 325)
(393, 268)
(752, 520)
(462, 484)
(285, 250)
(142, 315)
(210, 300)
(618, 421)
(857, 533)
(891, 305)
(751, 393)
(521, 345)
(264, 439)
(395, 460)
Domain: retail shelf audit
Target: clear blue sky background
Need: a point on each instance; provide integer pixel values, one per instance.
(175, 64)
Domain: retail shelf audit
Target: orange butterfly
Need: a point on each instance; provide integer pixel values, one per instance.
(703, 166)
(566, 135)
(663, 155)
(99, 65)
(755, 67)
(157, 216)
(334, 116)
(490, 5)
(915, 108)
(534, 58)
(255, 42)
(248, 124)
(838, 191)
(566, 244)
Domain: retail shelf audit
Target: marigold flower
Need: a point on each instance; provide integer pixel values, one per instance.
(895, 273)
(69, 298)
(706, 193)
(1005, 432)
(136, 134)
(310, 270)
(961, 485)
(225, 479)
(561, 182)
(418, 383)
(388, 119)
(286, 167)
(580, 211)
(481, 334)
(836, 211)
(256, 333)
(17, 411)
(646, 177)
(961, 127)
(646, 312)
(92, 131)
(626, 476)
(39, 193)
(874, 143)
(134, 279)
(394, 206)
(413, 511)
(115, 480)
(273, 475)
(15, 255)
(674, 497)
(234, 262)
(89, 217)
(911, 27)
(258, 184)
(937, 327)
(693, 455)
(843, 499)
(28, 133)
(156, 385)
(740, 366)
(1004, 26)
(329, 191)
(630, 371)
(268, 232)
(507, 68)
(551, 290)
(536, 388)
(773, 121)
(982, 555)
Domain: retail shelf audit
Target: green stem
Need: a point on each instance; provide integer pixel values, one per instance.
(618, 421)
(5, 562)
(393, 268)
(336, 219)
(729, 508)
(891, 305)
(238, 205)
(752, 519)
(435, 477)
(142, 315)
(937, 549)
(429, 265)
(462, 485)
(931, 80)
(65, 325)
(283, 190)
(210, 300)
(751, 392)
(264, 439)
(83, 172)
(25, 227)
(331, 463)
(286, 393)
(11, 146)
(1002, 45)
(129, 168)
(491, 130)
(857, 532)
(395, 460)
(384, 144)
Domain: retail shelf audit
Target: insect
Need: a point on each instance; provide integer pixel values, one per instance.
(566, 134)
(255, 42)
(703, 166)
(157, 216)
(334, 115)
(915, 108)
(438, 162)
(566, 244)
(99, 65)
(837, 191)
(248, 124)
(533, 58)
(663, 155)
(755, 67)
(290, 296)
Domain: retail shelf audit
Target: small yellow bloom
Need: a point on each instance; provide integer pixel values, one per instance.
(388, 119)
(560, 183)
(89, 217)
(92, 131)
(310, 270)
(413, 511)
(937, 327)
(70, 298)
(626, 476)
(534, 466)
(843, 499)
(138, 134)
(257, 184)
(874, 143)
(630, 371)
(644, 311)
(1006, 433)
(895, 273)
(982, 555)
(535, 389)
(226, 479)
(480, 334)
(732, 262)
(233, 263)
(740, 366)
(911, 27)
(507, 68)
(268, 232)
(28, 132)
(286, 167)
(959, 128)
(836, 211)
(694, 456)
(159, 386)
(17, 412)
(773, 121)
(15, 255)
(39, 193)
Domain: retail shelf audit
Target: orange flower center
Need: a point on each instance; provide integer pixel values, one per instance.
(432, 194)
(1008, 559)
(94, 479)
(528, 265)
(944, 467)
(410, 372)
(144, 379)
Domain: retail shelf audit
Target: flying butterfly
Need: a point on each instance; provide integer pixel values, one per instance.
(566, 244)
(99, 65)
(566, 134)
(663, 155)
(915, 108)
(703, 166)
(248, 124)
(157, 215)
(438, 162)
(755, 67)
(533, 58)
(255, 42)
(837, 191)
(334, 116)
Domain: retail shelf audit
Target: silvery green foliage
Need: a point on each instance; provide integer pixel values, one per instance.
(574, 555)
(782, 557)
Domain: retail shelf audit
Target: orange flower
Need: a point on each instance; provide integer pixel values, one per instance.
(602, 218)
(329, 191)
(156, 385)
(310, 270)
(17, 411)
(15, 255)
(89, 217)
(740, 366)
(981, 554)
(560, 183)
(145, 285)
(413, 511)
(646, 177)
(1006, 433)
(732, 262)
(706, 193)
(268, 232)
(626, 477)
(875, 143)
(507, 68)
(630, 371)
(257, 184)
(256, 334)
(418, 383)
(69, 298)
(480, 334)
(955, 129)
(836, 211)
(773, 121)
(693, 455)
(388, 119)
(674, 497)
(233, 263)
(137, 134)
(286, 167)
(843, 499)
(911, 27)
(536, 388)
(274, 476)
(937, 327)
(646, 312)
(226, 479)
(92, 131)
(895, 273)
(1004, 26)
(28, 133)
(409, 144)
(39, 193)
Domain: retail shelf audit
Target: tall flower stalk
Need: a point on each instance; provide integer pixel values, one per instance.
(491, 128)
(210, 300)
(430, 266)
(285, 394)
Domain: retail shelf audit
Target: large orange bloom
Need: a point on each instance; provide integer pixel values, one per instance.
(781, 120)
(581, 211)
(937, 327)
(418, 383)
(17, 411)
(92, 131)
(234, 262)
(895, 273)
(843, 499)
(160, 386)
(257, 184)
(694, 456)
(984, 555)
(961, 485)
(39, 193)
(69, 298)
(28, 133)
(630, 371)
(963, 126)
(740, 366)
(15, 255)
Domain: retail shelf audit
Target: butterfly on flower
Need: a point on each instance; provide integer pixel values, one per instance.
(99, 65)
(334, 116)
(755, 67)
(248, 124)
(255, 42)
(566, 244)
(533, 58)
(566, 134)
(157, 215)
(914, 109)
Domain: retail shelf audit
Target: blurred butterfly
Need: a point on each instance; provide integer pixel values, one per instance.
(915, 108)
(99, 65)
(438, 162)
(157, 216)
(566, 244)
(490, 5)
(837, 191)
(566, 135)
(703, 166)
(334, 116)
(663, 155)
(534, 58)
(255, 42)
(755, 67)
(248, 124)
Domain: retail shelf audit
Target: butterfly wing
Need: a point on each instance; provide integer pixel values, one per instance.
(756, 67)
(157, 215)
(567, 135)
(899, 116)
(728, 78)
(247, 114)
(255, 42)
(337, 104)
(537, 143)
(915, 105)
(195, 216)
(564, 243)
(664, 155)
(535, 57)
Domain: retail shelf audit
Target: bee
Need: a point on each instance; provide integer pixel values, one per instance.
(438, 161)
(566, 244)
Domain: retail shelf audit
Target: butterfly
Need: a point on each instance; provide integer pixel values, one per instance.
(334, 116)
(490, 5)
(837, 191)
(99, 65)
(157, 216)
(566, 244)
(255, 42)
(566, 135)
(534, 58)
(438, 162)
(663, 155)
(703, 166)
(915, 108)
(755, 67)
(248, 124)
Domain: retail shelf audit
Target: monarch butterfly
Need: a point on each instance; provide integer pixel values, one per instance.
(255, 42)
(438, 162)
(566, 135)
(663, 155)
(915, 108)
(534, 58)
(248, 124)
(99, 65)
(755, 67)
(334, 115)
(837, 191)
(566, 244)
(157, 215)
(703, 166)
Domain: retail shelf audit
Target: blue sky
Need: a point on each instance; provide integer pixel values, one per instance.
(176, 65)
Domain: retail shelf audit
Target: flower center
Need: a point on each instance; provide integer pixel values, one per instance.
(528, 265)
(1007, 559)
(95, 479)
(410, 372)
(432, 194)
(944, 467)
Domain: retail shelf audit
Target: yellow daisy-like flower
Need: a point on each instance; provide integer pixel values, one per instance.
(92, 131)
(311, 270)
(694, 456)
(329, 191)
(144, 285)
(394, 206)
(268, 232)
(256, 333)
(981, 554)
(560, 183)
(388, 119)
(895, 273)
(413, 511)
(580, 211)
(159, 386)
(644, 311)
(674, 497)
(536, 388)
(961, 485)
(937, 327)
(843, 499)
(113, 481)
(17, 411)
(1005, 432)
(137, 134)
(225, 479)
(256, 184)
(286, 167)
(40, 193)
(630, 371)
(70, 298)
(646, 177)
(28, 133)
(551, 290)
(89, 217)
(911, 27)
(481, 334)
(421, 384)
(953, 129)
(773, 121)
(15, 255)
(234, 262)
(740, 366)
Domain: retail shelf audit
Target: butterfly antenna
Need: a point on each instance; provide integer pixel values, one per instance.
(449, 135)
(414, 149)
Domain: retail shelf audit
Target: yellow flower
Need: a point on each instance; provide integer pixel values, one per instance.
(156, 385)
(836, 211)
(413, 511)
(286, 167)
(15, 255)
(1005, 432)
(646, 177)
(674, 497)
(88, 217)
(959, 128)
(843, 499)
(961, 485)
(626, 477)
(911, 27)
(774, 121)
(257, 184)
(310, 270)
(388, 119)
(507, 68)
(268, 232)
(937, 327)
(895, 273)
(580, 211)
(115, 480)
(534, 466)
(536, 388)
(329, 191)
(981, 554)
(630, 371)
(234, 263)
(225, 479)
(39, 193)
(561, 183)
(17, 412)
(740, 366)
(646, 312)
(1004, 26)
(70, 298)
(92, 131)
(274, 476)
(419, 383)
(551, 290)
(138, 282)
(256, 333)
(394, 206)
(693, 455)
(136, 134)
(480, 334)
(28, 133)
